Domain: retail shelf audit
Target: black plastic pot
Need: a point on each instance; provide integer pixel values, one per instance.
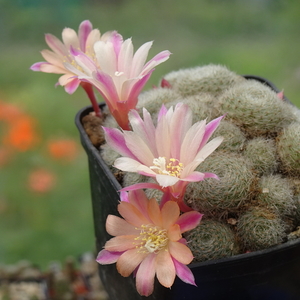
(273, 273)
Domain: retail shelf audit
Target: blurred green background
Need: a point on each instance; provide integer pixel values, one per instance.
(259, 37)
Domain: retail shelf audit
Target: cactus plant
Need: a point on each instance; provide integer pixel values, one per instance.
(257, 164)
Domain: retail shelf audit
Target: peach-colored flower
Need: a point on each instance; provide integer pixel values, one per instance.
(63, 149)
(41, 181)
(148, 241)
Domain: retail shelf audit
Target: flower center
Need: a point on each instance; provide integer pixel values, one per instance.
(152, 239)
(173, 168)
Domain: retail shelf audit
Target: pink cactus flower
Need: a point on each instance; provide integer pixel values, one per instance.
(169, 153)
(118, 74)
(60, 54)
(148, 241)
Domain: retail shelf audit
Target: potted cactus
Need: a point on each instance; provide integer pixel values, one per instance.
(226, 189)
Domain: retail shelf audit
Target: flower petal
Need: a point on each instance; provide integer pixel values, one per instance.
(145, 276)
(189, 220)
(174, 233)
(84, 30)
(165, 270)
(209, 130)
(184, 272)
(120, 243)
(115, 139)
(116, 226)
(128, 261)
(106, 257)
(170, 213)
(166, 180)
(154, 212)
(127, 164)
(132, 215)
(180, 252)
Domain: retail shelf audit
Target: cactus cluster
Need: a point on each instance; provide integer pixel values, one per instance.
(255, 203)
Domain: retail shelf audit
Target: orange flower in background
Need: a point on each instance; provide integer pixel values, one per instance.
(21, 134)
(64, 149)
(41, 181)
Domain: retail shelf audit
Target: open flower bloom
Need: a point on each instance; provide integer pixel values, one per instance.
(118, 74)
(148, 241)
(170, 153)
(55, 59)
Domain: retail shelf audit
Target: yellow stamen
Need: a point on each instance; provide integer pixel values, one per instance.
(173, 168)
(152, 239)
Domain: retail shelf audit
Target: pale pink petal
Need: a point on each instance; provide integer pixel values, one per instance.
(208, 148)
(165, 270)
(52, 58)
(37, 66)
(139, 59)
(136, 89)
(84, 30)
(191, 142)
(139, 148)
(145, 130)
(125, 57)
(194, 177)
(117, 226)
(162, 137)
(145, 275)
(211, 175)
(56, 45)
(87, 65)
(209, 130)
(106, 85)
(72, 86)
(120, 243)
(170, 213)
(189, 220)
(129, 261)
(70, 38)
(132, 215)
(115, 139)
(49, 68)
(166, 180)
(179, 126)
(116, 39)
(93, 37)
(162, 112)
(156, 60)
(127, 164)
(180, 252)
(124, 196)
(184, 272)
(106, 57)
(66, 78)
(106, 257)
